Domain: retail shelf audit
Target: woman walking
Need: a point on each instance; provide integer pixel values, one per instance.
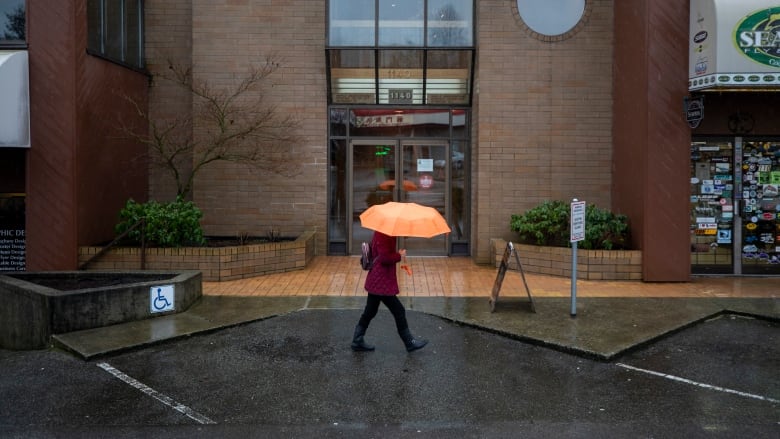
(382, 286)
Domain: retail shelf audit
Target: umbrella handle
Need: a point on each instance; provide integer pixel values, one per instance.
(405, 266)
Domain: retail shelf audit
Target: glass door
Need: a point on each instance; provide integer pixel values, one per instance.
(760, 226)
(372, 165)
(735, 202)
(425, 173)
(389, 170)
(712, 206)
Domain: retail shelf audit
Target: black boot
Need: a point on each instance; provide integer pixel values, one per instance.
(358, 344)
(411, 343)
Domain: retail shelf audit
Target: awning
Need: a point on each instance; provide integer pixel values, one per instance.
(734, 45)
(15, 101)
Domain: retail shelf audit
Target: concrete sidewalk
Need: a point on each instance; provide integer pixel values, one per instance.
(612, 316)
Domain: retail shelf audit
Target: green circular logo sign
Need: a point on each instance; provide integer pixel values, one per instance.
(757, 36)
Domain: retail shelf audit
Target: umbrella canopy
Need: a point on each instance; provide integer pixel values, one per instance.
(408, 185)
(404, 219)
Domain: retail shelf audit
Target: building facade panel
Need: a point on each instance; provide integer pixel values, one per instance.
(543, 117)
(650, 144)
(481, 131)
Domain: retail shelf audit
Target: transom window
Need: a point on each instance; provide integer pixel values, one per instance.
(116, 31)
(410, 52)
(407, 23)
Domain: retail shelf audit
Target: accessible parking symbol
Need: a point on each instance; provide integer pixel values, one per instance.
(161, 298)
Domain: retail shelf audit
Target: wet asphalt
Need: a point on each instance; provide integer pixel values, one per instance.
(294, 375)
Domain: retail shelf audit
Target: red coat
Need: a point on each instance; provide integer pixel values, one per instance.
(382, 279)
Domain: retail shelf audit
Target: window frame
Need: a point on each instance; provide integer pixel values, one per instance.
(127, 37)
(373, 84)
(15, 44)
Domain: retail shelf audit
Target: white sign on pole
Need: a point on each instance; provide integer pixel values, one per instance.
(577, 232)
(161, 298)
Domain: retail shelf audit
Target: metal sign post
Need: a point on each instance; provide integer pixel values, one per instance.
(576, 234)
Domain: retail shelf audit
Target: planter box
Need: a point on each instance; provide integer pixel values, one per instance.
(215, 263)
(37, 305)
(556, 261)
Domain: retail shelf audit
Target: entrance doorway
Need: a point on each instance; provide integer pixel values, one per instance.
(735, 204)
(399, 170)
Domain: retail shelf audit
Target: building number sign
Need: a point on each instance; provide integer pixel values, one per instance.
(400, 96)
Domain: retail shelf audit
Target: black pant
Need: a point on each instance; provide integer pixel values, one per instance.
(392, 303)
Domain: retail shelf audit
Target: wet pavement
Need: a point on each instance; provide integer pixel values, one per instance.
(295, 376)
(270, 356)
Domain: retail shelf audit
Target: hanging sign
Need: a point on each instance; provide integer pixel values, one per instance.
(694, 111)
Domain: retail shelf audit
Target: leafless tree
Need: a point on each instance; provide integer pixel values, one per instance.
(228, 123)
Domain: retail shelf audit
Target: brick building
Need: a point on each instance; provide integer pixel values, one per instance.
(481, 108)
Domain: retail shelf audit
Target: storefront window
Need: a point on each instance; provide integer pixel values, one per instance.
(12, 23)
(735, 202)
(760, 226)
(712, 206)
(370, 145)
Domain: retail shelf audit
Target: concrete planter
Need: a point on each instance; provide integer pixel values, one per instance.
(556, 261)
(37, 305)
(216, 263)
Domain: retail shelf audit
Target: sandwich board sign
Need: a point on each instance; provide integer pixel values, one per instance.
(508, 252)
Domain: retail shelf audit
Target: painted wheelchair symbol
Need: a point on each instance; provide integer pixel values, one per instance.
(160, 302)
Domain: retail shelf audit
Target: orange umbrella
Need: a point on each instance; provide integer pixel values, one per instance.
(404, 219)
(408, 186)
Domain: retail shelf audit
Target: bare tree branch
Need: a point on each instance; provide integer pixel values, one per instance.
(231, 123)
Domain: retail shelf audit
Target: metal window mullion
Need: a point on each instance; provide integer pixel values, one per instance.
(103, 27)
(141, 33)
(376, 76)
(425, 74)
(425, 32)
(123, 30)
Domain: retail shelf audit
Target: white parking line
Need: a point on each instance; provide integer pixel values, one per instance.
(155, 394)
(706, 386)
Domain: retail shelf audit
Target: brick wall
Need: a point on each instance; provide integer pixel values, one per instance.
(544, 117)
(541, 127)
(168, 38)
(215, 263)
(225, 38)
(556, 261)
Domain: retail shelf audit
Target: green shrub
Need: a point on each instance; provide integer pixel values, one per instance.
(548, 224)
(173, 224)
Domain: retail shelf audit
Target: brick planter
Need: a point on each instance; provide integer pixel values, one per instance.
(556, 261)
(215, 263)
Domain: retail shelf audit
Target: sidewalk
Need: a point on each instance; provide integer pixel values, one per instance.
(611, 317)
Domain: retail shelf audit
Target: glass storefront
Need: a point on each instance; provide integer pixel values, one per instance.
(415, 155)
(400, 84)
(734, 206)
